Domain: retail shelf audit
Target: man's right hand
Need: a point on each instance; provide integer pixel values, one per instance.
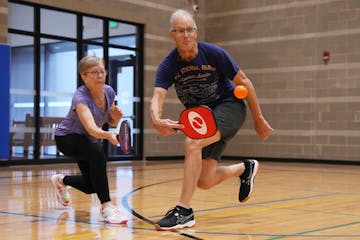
(167, 126)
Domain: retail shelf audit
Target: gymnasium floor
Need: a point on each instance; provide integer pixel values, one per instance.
(290, 201)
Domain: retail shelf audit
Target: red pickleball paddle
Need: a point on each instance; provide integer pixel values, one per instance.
(199, 122)
(124, 136)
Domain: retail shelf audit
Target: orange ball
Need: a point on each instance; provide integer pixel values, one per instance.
(240, 91)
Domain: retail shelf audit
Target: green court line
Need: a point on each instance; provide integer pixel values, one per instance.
(318, 230)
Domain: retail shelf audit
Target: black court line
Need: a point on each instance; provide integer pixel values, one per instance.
(272, 236)
(138, 215)
(305, 234)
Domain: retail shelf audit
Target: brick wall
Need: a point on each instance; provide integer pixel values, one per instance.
(279, 44)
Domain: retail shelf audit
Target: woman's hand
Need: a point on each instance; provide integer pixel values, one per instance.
(115, 114)
(112, 138)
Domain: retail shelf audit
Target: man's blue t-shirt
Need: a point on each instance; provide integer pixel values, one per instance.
(205, 80)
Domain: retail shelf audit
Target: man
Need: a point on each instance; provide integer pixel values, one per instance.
(204, 74)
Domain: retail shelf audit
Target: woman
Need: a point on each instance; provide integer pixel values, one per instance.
(80, 135)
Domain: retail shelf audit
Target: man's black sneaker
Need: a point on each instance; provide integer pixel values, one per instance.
(176, 218)
(247, 179)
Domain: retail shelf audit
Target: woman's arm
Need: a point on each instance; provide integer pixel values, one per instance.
(90, 126)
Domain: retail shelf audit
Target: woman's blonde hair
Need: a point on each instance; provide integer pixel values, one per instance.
(89, 62)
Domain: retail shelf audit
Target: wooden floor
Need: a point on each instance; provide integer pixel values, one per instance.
(290, 201)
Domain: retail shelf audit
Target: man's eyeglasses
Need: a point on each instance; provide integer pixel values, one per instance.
(184, 30)
(97, 73)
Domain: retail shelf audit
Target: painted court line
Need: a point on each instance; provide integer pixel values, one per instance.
(328, 197)
(304, 234)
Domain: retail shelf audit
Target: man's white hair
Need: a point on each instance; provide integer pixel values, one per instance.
(181, 13)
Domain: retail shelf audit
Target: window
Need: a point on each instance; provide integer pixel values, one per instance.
(46, 45)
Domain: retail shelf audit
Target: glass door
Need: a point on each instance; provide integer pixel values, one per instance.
(122, 77)
(46, 45)
(58, 82)
(22, 97)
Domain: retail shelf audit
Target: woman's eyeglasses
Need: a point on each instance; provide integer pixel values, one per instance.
(97, 73)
